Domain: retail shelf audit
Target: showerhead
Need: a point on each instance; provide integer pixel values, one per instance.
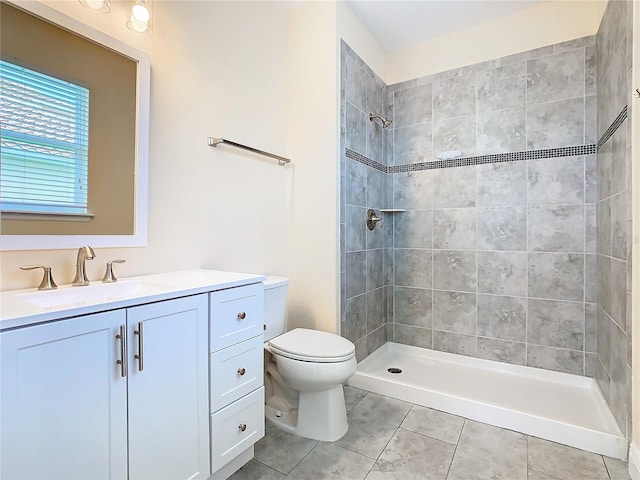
(385, 121)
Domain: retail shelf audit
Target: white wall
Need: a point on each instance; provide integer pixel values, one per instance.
(218, 69)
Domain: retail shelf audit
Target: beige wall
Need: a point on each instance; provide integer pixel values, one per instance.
(218, 69)
(548, 23)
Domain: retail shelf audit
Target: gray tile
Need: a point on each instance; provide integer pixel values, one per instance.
(372, 423)
(361, 349)
(590, 70)
(416, 336)
(502, 184)
(591, 327)
(376, 309)
(254, 470)
(502, 228)
(558, 228)
(590, 364)
(353, 396)
(412, 106)
(454, 343)
(502, 273)
(377, 338)
(618, 289)
(590, 229)
(603, 220)
(618, 470)
(501, 351)
(454, 187)
(413, 306)
(375, 269)
(556, 77)
(356, 129)
(413, 268)
(590, 119)
(454, 270)
(413, 190)
(454, 97)
(355, 224)
(331, 462)
(376, 188)
(604, 339)
(555, 181)
(589, 40)
(405, 458)
(434, 423)
(619, 226)
(412, 144)
(591, 187)
(457, 133)
(557, 359)
(564, 463)
(591, 278)
(566, 115)
(454, 228)
(556, 276)
(356, 318)
(413, 229)
(556, 324)
(454, 312)
(501, 131)
(281, 450)
(501, 88)
(487, 452)
(502, 317)
(356, 270)
(356, 187)
(354, 83)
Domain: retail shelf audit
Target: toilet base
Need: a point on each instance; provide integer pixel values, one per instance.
(321, 416)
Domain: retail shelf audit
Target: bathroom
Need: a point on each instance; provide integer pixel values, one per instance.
(212, 63)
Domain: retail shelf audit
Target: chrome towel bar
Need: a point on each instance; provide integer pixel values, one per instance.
(215, 141)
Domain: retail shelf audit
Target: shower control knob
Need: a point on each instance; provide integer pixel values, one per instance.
(242, 316)
(241, 371)
(242, 427)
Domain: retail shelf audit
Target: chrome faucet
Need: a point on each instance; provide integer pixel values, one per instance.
(85, 252)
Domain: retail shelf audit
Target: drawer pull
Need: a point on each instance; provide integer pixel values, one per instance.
(242, 427)
(242, 316)
(241, 371)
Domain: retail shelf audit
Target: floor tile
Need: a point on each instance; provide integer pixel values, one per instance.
(330, 462)
(254, 471)
(352, 396)
(412, 456)
(618, 470)
(372, 423)
(434, 424)
(489, 453)
(564, 463)
(282, 450)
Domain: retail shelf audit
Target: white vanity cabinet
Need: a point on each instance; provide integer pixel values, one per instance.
(71, 411)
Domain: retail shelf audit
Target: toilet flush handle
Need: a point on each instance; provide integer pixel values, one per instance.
(242, 315)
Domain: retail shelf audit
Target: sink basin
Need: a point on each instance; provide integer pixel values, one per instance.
(90, 294)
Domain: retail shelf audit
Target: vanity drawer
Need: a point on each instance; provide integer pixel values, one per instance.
(236, 427)
(236, 315)
(235, 371)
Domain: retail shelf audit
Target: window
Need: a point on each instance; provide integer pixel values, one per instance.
(44, 143)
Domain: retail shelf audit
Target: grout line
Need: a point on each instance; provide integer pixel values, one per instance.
(455, 450)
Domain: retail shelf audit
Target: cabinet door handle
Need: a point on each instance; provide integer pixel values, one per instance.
(140, 355)
(241, 371)
(242, 315)
(123, 351)
(242, 427)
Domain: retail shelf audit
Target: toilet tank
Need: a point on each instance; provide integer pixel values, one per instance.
(275, 306)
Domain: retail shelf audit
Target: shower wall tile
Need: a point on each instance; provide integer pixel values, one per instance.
(502, 351)
(591, 119)
(376, 309)
(557, 181)
(375, 269)
(413, 268)
(413, 229)
(356, 129)
(619, 226)
(418, 337)
(556, 276)
(556, 228)
(502, 184)
(502, 317)
(454, 228)
(591, 327)
(454, 270)
(356, 273)
(455, 343)
(590, 71)
(560, 360)
(355, 78)
(355, 229)
(413, 144)
(457, 133)
(375, 138)
(412, 106)
(356, 179)
(591, 278)
(376, 188)
(453, 187)
(502, 228)
(502, 273)
(454, 97)
(567, 116)
(454, 312)
(376, 339)
(591, 228)
(501, 88)
(501, 131)
(591, 179)
(556, 77)
(356, 317)
(556, 324)
(413, 306)
(414, 190)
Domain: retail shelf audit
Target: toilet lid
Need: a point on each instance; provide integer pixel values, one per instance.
(312, 345)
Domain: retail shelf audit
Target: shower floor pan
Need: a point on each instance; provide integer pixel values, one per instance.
(560, 407)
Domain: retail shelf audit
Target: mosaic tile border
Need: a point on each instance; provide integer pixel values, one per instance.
(613, 128)
(576, 150)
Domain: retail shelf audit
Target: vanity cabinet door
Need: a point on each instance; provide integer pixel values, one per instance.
(63, 412)
(168, 391)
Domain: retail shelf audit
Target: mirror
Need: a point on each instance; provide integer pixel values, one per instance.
(45, 43)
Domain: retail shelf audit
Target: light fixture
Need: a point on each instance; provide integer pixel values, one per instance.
(98, 6)
(140, 16)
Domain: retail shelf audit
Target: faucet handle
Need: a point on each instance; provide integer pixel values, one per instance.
(109, 276)
(47, 282)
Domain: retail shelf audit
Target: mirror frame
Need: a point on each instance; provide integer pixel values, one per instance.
(143, 90)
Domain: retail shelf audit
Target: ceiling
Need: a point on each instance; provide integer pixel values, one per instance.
(398, 24)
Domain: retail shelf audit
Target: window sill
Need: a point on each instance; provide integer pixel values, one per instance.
(39, 216)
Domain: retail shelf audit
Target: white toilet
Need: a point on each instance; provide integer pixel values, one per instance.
(304, 372)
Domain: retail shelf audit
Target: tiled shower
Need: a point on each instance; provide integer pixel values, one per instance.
(517, 250)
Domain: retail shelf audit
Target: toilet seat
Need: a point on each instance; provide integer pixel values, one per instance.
(312, 346)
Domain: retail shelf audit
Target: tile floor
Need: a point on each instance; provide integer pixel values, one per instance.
(389, 439)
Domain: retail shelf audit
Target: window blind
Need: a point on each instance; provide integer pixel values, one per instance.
(44, 142)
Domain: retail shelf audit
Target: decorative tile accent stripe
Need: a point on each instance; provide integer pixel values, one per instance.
(589, 149)
(613, 128)
(353, 155)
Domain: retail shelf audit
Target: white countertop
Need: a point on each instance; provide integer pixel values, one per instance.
(20, 308)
